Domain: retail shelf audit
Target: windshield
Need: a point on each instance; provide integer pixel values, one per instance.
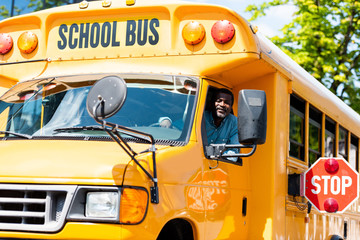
(160, 105)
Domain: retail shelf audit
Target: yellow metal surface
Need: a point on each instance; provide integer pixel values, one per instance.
(30, 165)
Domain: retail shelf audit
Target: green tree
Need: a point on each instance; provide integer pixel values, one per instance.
(324, 38)
(4, 12)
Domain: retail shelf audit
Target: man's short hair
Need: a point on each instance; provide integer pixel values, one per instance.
(226, 91)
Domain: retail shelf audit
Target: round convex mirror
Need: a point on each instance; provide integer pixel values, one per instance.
(112, 90)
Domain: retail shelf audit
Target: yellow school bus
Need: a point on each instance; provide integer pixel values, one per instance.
(84, 152)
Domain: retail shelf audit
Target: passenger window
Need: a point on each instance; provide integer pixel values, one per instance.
(297, 124)
(315, 119)
(354, 153)
(329, 138)
(343, 143)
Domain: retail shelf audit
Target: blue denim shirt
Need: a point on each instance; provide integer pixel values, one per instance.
(226, 133)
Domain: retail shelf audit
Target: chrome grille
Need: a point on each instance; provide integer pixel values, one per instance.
(34, 207)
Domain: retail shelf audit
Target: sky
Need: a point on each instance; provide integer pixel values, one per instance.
(269, 25)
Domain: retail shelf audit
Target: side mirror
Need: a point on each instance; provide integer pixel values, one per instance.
(106, 97)
(252, 117)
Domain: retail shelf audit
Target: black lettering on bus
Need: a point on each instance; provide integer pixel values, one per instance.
(84, 35)
(114, 43)
(130, 32)
(62, 30)
(142, 39)
(95, 35)
(154, 23)
(105, 34)
(73, 28)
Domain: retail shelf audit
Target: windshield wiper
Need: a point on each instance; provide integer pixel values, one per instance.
(17, 134)
(98, 128)
(79, 129)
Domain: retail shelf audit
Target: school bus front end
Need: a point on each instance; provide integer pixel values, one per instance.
(71, 169)
(63, 177)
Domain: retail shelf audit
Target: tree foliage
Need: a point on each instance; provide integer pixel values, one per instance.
(324, 38)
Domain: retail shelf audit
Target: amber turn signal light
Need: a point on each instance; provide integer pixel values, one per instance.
(193, 32)
(27, 42)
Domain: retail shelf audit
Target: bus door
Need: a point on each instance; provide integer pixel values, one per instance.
(226, 189)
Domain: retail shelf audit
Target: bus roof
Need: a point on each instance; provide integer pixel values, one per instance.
(148, 30)
(309, 88)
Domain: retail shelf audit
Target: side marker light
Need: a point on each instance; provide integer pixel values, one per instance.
(27, 42)
(6, 43)
(106, 3)
(84, 4)
(193, 32)
(130, 2)
(223, 31)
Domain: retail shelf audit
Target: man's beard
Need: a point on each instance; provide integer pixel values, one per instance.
(222, 113)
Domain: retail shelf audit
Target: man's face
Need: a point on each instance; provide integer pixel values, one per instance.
(223, 104)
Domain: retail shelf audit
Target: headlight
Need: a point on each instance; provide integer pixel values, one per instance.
(102, 204)
(126, 205)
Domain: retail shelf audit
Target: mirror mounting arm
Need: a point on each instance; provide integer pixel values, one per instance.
(113, 133)
(217, 150)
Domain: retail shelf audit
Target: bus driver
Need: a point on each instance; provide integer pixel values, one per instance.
(221, 124)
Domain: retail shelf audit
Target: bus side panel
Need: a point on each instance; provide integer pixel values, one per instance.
(5, 84)
(268, 164)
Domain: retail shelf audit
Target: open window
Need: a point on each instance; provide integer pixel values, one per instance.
(223, 141)
(218, 135)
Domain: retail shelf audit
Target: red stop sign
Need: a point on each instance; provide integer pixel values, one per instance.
(331, 185)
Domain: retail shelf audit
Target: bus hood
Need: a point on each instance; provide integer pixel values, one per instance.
(63, 162)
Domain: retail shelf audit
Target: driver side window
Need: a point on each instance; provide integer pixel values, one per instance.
(219, 125)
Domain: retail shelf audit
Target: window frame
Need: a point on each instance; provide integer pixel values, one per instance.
(210, 91)
(346, 147)
(355, 139)
(303, 116)
(319, 125)
(332, 135)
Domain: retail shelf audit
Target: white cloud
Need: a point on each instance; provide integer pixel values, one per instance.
(277, 17)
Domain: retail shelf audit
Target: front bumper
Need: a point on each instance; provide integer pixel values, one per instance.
(88, 231)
